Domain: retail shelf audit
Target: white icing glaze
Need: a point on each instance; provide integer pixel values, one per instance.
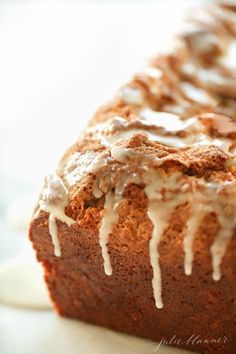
(152, 72)
(210, 79)
(131, 95)
(229, 59)
(121, 154)
(161, 127)
(204, 42)
(211, 199)
(192, 226)
(96, 190)
(153, 125)
(52, 226)
(125, 155)
(159, 212)
(159, 222)
(199, 207)
(109, 219)
(219, 247)
(224, 206)
(223, 144)
(171, 123)
(80, 164)
(197, 94)
(152, 135)
(223, 124)
(119, 136)
(53, 200)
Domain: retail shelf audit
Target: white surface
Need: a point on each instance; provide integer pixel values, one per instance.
(19, 213)
(46, 333)
(22, 285)
(59, 61)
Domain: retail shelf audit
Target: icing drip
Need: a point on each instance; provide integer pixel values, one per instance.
(219, 248)
(110, 218)
(53, 200)
(52, 225)
(160, 209)
(211, 198)
(199, 206)
(192, 227)
(159, 223)
(225, 210)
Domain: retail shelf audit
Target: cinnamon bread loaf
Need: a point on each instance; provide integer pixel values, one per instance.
(136, 229)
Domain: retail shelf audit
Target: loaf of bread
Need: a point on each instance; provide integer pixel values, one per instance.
(136, 229)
